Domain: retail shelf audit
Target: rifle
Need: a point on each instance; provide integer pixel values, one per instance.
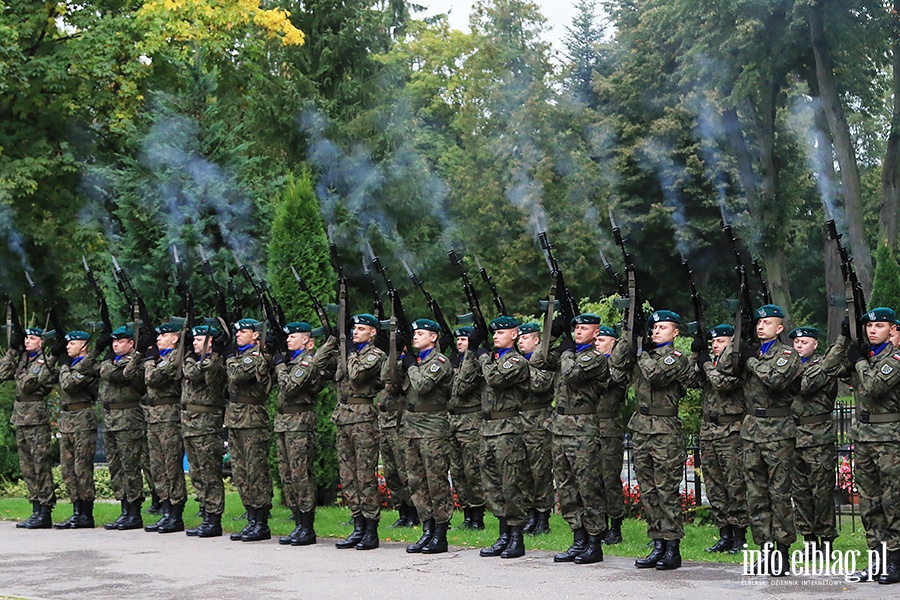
(744, 305)
(237, 309)
(317, 306)
(476, 314)
(696, 327)
(498, 301)
(13, 324)
(855, 297)
(343, 377)
(763, 286)
(183, 289)
(568, 305)
(52, 317)
(635, 295)
(101, 299)
(221, 305)
(269, 317)
(433, 305)
(620, 285)
(396, 303)
(140, 315)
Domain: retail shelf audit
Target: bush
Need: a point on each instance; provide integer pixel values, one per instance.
(9, 457)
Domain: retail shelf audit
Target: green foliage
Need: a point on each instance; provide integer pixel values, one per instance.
(886, 287)
(9, 457)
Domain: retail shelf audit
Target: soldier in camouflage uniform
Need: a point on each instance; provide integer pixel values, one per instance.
(247, 420)
(26, 364)
(503, 468)
(390, 444)
(813, 473)
(721, 446)
(121, 389)
(583, 377)
(162, 411)
(611, 432)
(772, 374)
(203, 391)
(660, 373)
(78, 385)
(426, 432)
(875, 375)
(536, 414)
(465, 428)
(357, 433)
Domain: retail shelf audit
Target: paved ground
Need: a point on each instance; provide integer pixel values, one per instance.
(133, 564)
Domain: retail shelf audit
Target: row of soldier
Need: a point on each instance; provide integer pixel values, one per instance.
(504, 424)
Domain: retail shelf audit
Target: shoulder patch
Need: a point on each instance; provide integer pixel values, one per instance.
(586, 357)
(372, 358)
(163, 363)
(669, 360)
(434, 368)
(299, 373)
(597, 352)
(36, 370)
(40, 361)
(79, 376)
(507, 365)
(781, 362)
(787, 351)
(897, 357)
(247, 360)
(514, 359)
(886, 369)
(304, 363)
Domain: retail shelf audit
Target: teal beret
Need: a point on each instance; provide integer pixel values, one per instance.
(34, 331)
(529, 328)
(769, 310)
(586, 319)
(122, 333)
(463, 331)
(365, 319)
(77, 335)
(169, 327)
(810, 332)
(663, 316)
(880, 314)
(317, 332)
(607, 331)
(722, 330)
(504, 322)
(251, 324)
(297, 327)
(426, 324)
(204, 330)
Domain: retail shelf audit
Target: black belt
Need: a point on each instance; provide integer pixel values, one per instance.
(723, 419)
(465, 410)
(562, 410)
(383, 408)
(169, 402)
(355, 400)
(202, 408)
(426, 408)
(865, 417)
(120, 405)
(536, 405)
(822, 418)
(247, 400)
(658, 412)
(296, 409)
(503, 414)
(770, 412)
(76, 406)
(30, 398)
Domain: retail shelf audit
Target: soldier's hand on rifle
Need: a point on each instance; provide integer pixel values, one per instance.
(476, 338)
(748, 351)
(219, 342)
(273, 343)
(747, 326)
(845, 327)
(566, 345)
(407, 361)
(58, 347)
(703, 357)
(558, 326)
(145, 341)
(855, 354)
(151, 353)
(17, 340)
(351, 347)
(698, 345)
(103, 342)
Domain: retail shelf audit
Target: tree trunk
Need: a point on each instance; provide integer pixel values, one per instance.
(843, 147)
(890, 174)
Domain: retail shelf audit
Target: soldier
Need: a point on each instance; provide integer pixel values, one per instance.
(772, 372)
(813, 473)
(502, 456)
(78, 384)
(426, 431)
(202, 419)
(583, 377)
(26, 364)
(720, 442)
(121, 389)
(612, 438)
(247, 420)
(465, 428)
(357, 435)
(390, 444)
(162, 411)
(895, 334)
(875, 432)
(536, 414)
(660, 375)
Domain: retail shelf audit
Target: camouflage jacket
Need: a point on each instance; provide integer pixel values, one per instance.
(362, 380)
(391, 400)
(818, 391)
(537, 410)
(507, 381)
(660, 377)
(298, 386)
(34, 379)
(162, 376)
(583, 377)
(723, 397)
(249, 384)
(327, 360)
(122, 382)
(78, 385)
(428, 384)
(203, 385)
(611, 402)
(468, 383)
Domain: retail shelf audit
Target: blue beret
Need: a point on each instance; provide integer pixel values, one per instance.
(77, 335)
(810, 332)
(504, 322)
(880, 314)
(769, 310)
(366, 319)
(298, 327)
(722, 330)
(662, 316)
(529, 328)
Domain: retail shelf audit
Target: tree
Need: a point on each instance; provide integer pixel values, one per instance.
(886, 287)
(583, 46)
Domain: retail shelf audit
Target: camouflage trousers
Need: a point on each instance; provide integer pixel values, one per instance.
(204, 454)
(428, 463)
(465, 470)
(723, 474)
(767, 466)
(539, 491)
(357, 448)
(812, 489)
(166, 448)
(575, 459)
(611, 451)
(296, 466)
(123, 451)
(393, 460)
(503, 475)
(145, 461)
(250, 465)
(36, 463)
(877, 478)
(659, 466)
(76, 463)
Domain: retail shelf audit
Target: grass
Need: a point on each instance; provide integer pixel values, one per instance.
(333, 522)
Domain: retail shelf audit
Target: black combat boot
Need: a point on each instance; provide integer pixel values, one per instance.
(781, 561)
(891, 572)
(467, 520)
(166, 508)
(579, 543)
(286, 540)
(531, 521)
(260, 530)
(810, 545)
(76, 511)
(35, 512)
(155, 505)
(175, 521)
(85, 520)
(871, 573)
(359, 525)
(412, 516)
(427, 534)
(369, 540)
(649, 561)
(739, 540)
(119, 519)
(614, 535)
(478, 518)
(726, 540)
(307, 535)
(44, 519)
(542, 525)
(516, 546)
(438, 543)
(133, 519)
(501, 543)
(672, 558)
(195, 531)
(251, 519)
(402, 519)
(593, 551)
(211, 526)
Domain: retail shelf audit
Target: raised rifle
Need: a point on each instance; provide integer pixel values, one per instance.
(101, 299)
(855, 298)
(764, 294)
(695, 327)
(343, 373)
(498, 301)
(475, 313)
(221, 305)
(743, 307)
(183, 289)
(635, 296)
(139, 313)
(445, 340)
(13, 323)
(52, 318)
(396, 303)
(568, 305)
(317, 306)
